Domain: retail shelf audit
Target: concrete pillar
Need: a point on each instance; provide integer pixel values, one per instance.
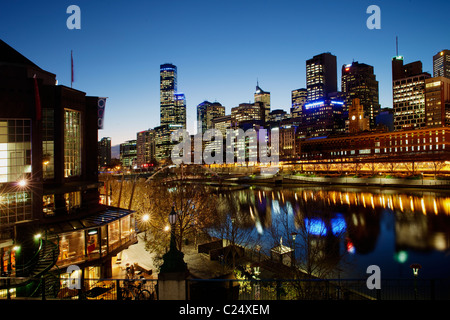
(172, 286)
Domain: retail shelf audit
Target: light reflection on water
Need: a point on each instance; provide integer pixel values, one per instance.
(388, 228)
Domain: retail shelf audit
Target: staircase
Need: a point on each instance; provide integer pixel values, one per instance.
(35, 275)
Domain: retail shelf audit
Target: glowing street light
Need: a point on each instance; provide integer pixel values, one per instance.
(22, 183)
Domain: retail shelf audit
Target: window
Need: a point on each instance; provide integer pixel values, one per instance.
(73, 200)
(48, 142)
(72, 143)
(15, 207)
(48, 204)
(15, 149)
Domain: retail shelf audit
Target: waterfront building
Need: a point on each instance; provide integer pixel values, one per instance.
(323, 117)
(247, 112)
(357, 117)
(163, 140)
(48, 175)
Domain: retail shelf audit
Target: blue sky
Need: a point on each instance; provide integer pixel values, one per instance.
(220, 47)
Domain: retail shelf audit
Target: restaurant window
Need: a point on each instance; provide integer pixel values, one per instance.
(15, 207)
(104, 240)
(15, 149)
(92, 242)
(72, 247)
(72, 200)
(48, 204)
(72, 143)
(113, 234)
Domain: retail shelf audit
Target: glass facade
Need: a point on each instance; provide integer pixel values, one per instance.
(15, 149)
(72, 143)
(48, 144)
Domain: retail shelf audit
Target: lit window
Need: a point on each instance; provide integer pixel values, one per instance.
(72, 143)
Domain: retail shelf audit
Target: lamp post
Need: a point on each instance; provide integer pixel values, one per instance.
(415, 267)
(294, 236)
(173, 259)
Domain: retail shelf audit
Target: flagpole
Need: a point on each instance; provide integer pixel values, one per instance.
(71, 68)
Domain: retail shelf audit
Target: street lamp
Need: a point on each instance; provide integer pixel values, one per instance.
(294, 236)
(415, 267)
(172, 217)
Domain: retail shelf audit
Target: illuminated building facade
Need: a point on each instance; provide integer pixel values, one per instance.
(248, 112)
(104, 152)
(163, 140)
(441, 64)
(356, 117)
(437, 101)
(358, 81)
(263, 97)
(408, 87)
(49, 179)
(145, 148)
(323, 117)
(172, 103)
(298, 100)
(321, 76)
(206, 113)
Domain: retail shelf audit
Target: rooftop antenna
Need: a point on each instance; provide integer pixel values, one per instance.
(396, 45)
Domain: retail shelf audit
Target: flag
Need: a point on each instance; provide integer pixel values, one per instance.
(71, 68)
(101, 111)
(37, 99)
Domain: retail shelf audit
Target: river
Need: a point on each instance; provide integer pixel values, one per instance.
(370, 226)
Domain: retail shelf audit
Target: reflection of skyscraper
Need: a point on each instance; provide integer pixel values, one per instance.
(172, 104)
(358, 81)
(441, 64)
(321, 76)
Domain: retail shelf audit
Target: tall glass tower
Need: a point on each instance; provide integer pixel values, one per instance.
(168, 89)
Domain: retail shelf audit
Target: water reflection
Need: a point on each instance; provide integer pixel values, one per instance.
(385, 227)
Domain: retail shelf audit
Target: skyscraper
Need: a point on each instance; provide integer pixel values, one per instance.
(172, 103)
(321, 76)
(358, 81)
(298, 100)
(441, 64)
(264, 97)
(104, 151)
(206, 112)
(408, 88)
(145, 148)
(437, 101)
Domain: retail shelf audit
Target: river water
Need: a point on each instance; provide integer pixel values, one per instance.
(370, 226)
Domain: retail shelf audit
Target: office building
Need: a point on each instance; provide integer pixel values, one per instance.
(408, 88)
(145, 148)
(323, 118)
(128, 153)
(441, 64)
(358, 81)
(298, 99)
(172, 103)
(222, 123)
(321, 76)
(104, 152)
(163, 140)
(437, 102)
(263, 97)
(50, 215)
(248, 112)
(206, 113)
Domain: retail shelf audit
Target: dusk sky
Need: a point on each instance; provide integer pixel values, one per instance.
(220, 48)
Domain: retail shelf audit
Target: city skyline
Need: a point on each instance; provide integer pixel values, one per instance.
(220, 51)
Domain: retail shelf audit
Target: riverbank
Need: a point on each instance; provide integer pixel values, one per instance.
(304, 180)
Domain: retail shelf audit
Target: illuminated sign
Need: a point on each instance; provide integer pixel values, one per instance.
(337, 102)
(313, 104)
